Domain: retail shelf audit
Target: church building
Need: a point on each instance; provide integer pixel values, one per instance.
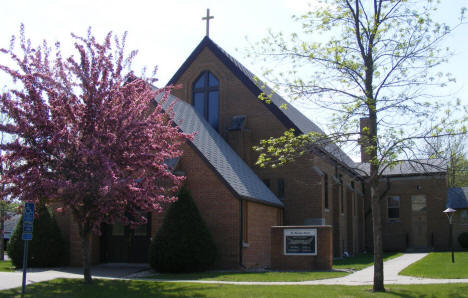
(240, 202)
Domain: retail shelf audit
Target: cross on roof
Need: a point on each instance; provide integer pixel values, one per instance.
(207, 18)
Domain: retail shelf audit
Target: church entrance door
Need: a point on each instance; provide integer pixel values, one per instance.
(419, 221)
(122, 244)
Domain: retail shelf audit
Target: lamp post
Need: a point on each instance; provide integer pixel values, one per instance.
(450, 212)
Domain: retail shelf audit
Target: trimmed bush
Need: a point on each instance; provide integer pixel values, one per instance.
(46, 249)
(463, 240)
(184, 243)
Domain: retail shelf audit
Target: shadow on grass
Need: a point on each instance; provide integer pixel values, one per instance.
(107, 288)
(126, 288)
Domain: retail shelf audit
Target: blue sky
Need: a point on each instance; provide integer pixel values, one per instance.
(166, 32)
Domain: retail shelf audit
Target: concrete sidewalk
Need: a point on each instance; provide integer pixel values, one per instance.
(362, 277)
(10, 280)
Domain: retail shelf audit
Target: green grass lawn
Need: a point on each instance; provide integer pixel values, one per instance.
(252, 276)
(439, 265)
(350, 264)
(6, 266)
(124, 288)
(361, 261)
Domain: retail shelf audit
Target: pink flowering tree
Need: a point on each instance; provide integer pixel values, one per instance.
(86, 133)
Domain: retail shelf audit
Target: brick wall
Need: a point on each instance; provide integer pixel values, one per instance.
(257, 252)
(399, 234)
(218, 206)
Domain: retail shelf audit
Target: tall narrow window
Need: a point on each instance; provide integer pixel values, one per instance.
(354, 199)
(325, 185)
(206, 97)
(341, 194)
(393, 208)
(280, 188)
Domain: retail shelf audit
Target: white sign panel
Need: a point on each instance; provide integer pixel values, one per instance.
(300, 242)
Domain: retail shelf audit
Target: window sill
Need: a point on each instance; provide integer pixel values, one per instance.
(326, 210)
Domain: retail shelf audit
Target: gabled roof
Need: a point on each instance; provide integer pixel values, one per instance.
(235, 173)
(290, 117)
(410, 168)
(457, 197)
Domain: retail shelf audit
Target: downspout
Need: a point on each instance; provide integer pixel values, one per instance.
(241, 235)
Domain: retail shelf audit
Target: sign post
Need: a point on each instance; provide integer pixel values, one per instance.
(28, 219)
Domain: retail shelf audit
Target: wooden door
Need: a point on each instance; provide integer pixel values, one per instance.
(419, 221)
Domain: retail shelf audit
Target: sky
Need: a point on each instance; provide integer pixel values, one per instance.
(166, 32)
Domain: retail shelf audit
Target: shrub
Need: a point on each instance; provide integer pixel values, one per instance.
(183, 243)
(463, 240)
(46, 249)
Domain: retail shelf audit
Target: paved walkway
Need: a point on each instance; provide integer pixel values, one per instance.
(362, 277)
(136, 271)
(10, 280)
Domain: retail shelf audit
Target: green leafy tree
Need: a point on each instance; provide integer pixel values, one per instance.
(458, 165)
(453, 151)
(378, 61)
(46, 249)
(183, 243)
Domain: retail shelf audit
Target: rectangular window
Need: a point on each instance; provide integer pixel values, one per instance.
(140, 230)
(393, 204)
(464, 216)
(245, 221)
(325, 191)
(341, 194)
(118, 229)
(267, 182)
(280, 188)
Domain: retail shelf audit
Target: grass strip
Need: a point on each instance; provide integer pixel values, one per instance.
(71, 288)
(439, 265)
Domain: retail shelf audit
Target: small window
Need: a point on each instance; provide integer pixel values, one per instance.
(118, 229)
(393, 204)
(281, 188)
(325, 191)
(464, 216)
(140, 230)
(267, 182)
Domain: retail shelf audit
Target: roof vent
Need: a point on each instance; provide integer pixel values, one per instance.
(237, 122)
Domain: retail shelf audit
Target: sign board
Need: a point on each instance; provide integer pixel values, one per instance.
(28, 220)
(300, 242)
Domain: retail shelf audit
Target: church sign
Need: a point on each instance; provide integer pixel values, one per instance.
(300, 242)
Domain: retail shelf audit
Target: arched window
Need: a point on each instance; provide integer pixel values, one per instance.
(206, 97)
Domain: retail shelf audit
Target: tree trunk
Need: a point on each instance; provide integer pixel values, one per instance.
(2, 233)
(377, 237)
(85, 256)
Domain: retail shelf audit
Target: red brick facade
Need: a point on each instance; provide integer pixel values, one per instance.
(414, 229)
(315, 190)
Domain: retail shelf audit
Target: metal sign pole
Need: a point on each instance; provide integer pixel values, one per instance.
(25, 265)
(28, 220)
